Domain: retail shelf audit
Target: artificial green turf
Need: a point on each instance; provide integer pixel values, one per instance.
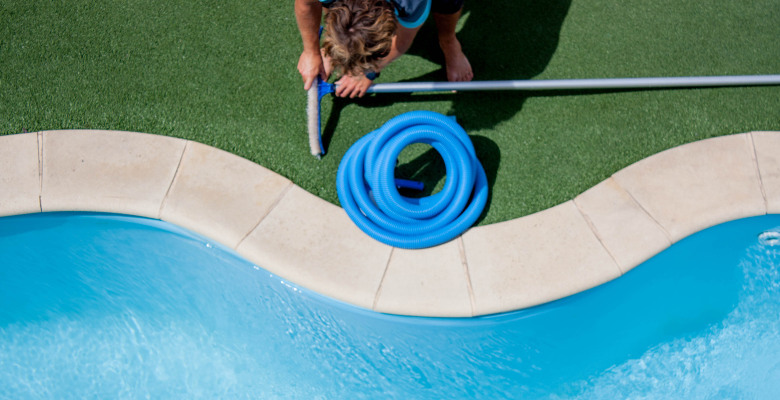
(224, 73)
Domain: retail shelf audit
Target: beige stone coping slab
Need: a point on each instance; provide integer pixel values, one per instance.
(589, 240)
(535, 259)
(626, 230)
(216, 192)
(314, 244)
(767, 145)
(432, 282)
(107, 171)
(20, 186)
(692, 187)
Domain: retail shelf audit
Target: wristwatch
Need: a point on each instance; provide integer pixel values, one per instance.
(371, 75)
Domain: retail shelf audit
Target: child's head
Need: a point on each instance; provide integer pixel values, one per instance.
(358, 33)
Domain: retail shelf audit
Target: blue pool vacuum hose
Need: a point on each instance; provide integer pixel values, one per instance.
(368, 193)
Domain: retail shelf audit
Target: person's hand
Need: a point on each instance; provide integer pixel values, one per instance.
(311, 65)
(352, 86)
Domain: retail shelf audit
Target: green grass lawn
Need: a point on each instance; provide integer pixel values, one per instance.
(224, 73)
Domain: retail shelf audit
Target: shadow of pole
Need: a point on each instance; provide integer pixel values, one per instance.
(331, 120)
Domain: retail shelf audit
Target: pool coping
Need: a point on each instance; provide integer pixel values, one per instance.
(301, 238)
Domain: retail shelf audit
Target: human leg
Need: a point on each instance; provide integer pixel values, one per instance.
(456, 63)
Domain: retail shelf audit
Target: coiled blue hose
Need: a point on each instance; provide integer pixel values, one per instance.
(367, 191)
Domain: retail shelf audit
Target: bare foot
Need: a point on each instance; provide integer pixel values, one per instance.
(458, 66)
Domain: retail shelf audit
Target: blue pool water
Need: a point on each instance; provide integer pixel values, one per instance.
(106, 306)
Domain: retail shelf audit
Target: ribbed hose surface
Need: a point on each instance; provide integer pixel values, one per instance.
(404, 222)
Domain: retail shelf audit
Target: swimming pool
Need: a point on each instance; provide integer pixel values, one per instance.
(100, 305)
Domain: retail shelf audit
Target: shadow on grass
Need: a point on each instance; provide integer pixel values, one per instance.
(504, 40)
(331, 121)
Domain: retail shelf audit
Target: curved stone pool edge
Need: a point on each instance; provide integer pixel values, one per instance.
(599, 235)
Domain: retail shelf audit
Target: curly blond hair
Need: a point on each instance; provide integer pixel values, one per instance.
(358, 33)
